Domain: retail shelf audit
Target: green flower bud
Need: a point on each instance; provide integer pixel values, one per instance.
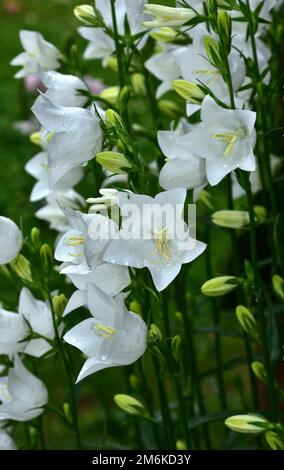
(189, 91)
(278, 285)
(113, 119)
(247, 424)
(231, 219)
(165, 34)
(135, 307)
(225, 28)
(46, 257)
(180, 445)
(36, 238)
(170, 108)
(259, 371)
(167, 16)
(112, 63)
(138, 84)
(260, 214)
(85, 14)
(274, 441)
(219, 286)
(177, 347)
(212, 49)
(206, 199)
(113, 161)
(22, 267)
(110, 94)
(155, 333)
(129, 404)
(135, 383)
(59, 304)
(67, 412)
(124, 97)
(247, 321)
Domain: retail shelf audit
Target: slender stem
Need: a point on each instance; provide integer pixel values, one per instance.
(67, 366)
(259, 288)
(119, 52)
(174, 376)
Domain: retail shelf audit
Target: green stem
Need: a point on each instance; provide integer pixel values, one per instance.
(258, 286)
(174, 376)
(68, 368)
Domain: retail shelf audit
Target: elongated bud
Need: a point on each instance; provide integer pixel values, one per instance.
(112, 63)
(36, 238)
(129, 404)
(225, 29)
(110, 94)
(113, 161)
(135, 383)
(67, 413)
(274, 441)
(33, 436)
(231, 219)
(22, 267)
(177, 347)
(219, 286)
(46, 257)
(278, 285)
(170, 108)
(247, 321)
(59, 304)
(113, 119)
(155, 333)
(123, 98)
(167, 16)
(85, 14)
(247, 424)
(165, 34)
(259, 371)
(212, 7)
(206, 199)
(189, 91)
(260, 214)
(212, 49)
(138, 84)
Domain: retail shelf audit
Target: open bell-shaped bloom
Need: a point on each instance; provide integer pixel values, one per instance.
(23, 395)
(11, 240)
(113, 337)
(38, 168)
(182, 169)
(155, 236)
(37, 52)
(225, 138)
(64, 90)
(13, 330)
(75, 135)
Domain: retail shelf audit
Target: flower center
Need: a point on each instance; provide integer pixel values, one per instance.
(230, 139)
(76, 241)
(106, 332)
(161, 240)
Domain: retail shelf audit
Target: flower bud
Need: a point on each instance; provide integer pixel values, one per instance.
(124, 97)
(278, 285)
(113, 119)
(219, 286)
(46, 256)
(177, 347)
(212, 49)
(110, 94)
(248, 424)
(129, 404)
(138, 84)
(36, 238)
(155, 333)
(59, 304)
(180, 445)
(260, 214)
(259, 371)
(135, 383)
(225, 28)
(206, 199)
(112, 63)
(231, 219)
(165, 34)
(189, 91)
(274, 441)
(85, 14)
(22, 267)
(135, 307)
(67, 412)
(113, 161)
(169, 108)
(247, 321)
(167, 16)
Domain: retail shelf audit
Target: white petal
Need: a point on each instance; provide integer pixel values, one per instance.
(78, 299)
(10, 240)
(6, 441)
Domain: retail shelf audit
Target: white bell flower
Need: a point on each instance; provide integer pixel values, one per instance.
(11, 240)
(160, 245)
(81, 250)
(38, 168)
(52, 213)
(225, 139)
(13, 330)
(182, 169)
(63, 90)
(23, 395)
(113, 337)
(76, 135)
(38, 52)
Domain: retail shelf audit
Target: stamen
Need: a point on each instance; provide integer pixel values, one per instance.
(229, 138)
(161, 240)
(106, 332)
